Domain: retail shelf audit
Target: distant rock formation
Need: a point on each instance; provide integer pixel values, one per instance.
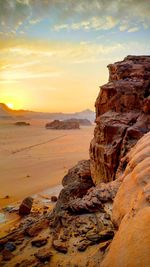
(122, 116)
(62, 125)
(22, 123)
(84, 122)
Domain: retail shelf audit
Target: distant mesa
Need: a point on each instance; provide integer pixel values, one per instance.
(62, 125)
(84, 122)
(22, 123)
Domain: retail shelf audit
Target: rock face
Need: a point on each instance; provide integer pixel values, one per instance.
(131, 211)
(62, 125)
(122, 116)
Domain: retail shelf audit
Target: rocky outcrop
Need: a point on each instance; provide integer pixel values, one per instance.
(83, 122)
(76, 184)
(122, 116)
(131, 211)
(62, 125)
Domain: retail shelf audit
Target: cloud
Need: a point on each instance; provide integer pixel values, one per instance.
(134, 29)
(73, 15)
(95, 23)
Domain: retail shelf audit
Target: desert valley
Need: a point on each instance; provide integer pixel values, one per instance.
(74, 133)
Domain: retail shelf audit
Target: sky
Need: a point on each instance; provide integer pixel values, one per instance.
(54, 53)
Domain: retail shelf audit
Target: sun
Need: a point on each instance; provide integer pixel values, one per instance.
(10, 105)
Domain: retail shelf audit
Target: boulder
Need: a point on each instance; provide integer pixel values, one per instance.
(26, 206)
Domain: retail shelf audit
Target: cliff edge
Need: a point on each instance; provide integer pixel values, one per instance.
(122, 109)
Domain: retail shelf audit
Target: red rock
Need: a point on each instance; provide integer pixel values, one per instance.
(60, 246)
(122, 116)
(7, 255)
(43, 255)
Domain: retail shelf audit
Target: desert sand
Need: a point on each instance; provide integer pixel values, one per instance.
(33, 159)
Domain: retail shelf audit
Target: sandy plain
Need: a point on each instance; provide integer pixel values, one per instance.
(33, 159)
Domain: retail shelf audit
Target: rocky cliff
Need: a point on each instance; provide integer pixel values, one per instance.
(122, 109)
(102, 214)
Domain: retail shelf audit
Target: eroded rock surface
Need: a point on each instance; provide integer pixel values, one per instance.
(122, 116)
(131, 212)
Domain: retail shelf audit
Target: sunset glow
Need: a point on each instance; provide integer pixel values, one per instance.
(54, 53)
(10, 105)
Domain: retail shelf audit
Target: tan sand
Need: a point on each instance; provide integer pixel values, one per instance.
(33, 159)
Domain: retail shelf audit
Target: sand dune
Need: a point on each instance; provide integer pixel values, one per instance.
(33, 158)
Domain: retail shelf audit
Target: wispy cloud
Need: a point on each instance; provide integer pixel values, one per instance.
(86, 15)
(134, 29)
(95, 23)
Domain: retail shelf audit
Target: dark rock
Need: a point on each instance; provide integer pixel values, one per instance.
(62, 125)
(95, 238)
(33, 230)
(7, 255)
(43, 255)
(100, 237)
(76, 184)
(22, 123)
(39, 242)
(10, 246)
(60, 246)
(26, 206)
(104, 245)
(80, 172)
(53, 198)
(83, 245)
(106, 235)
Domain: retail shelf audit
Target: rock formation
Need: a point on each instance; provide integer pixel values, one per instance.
(83, 122)
(131, 212)
(62, 125)
(122, 109)
(102, 215)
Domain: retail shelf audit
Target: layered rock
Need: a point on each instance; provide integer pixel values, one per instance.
(122, 116)
(131, 211)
